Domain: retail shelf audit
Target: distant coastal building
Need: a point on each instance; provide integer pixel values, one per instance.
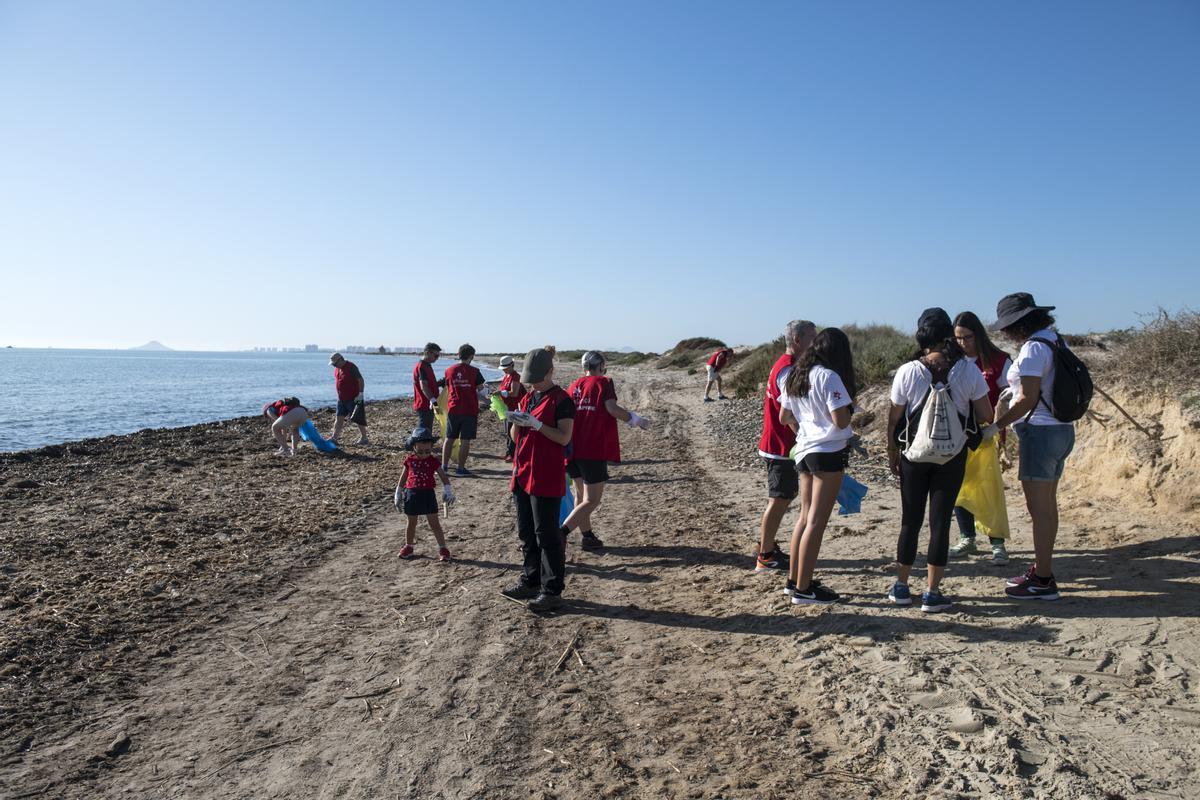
(310, 348)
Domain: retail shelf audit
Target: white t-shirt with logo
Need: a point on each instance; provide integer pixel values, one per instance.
(817, 433)
(1036, 360)
(912, 380)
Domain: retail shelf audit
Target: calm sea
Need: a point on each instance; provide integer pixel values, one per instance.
(54, 396)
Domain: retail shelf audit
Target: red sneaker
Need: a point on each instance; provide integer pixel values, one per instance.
(406, 551)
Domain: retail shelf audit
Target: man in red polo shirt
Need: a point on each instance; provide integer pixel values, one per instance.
(350, 385)
(425, 388)
(716, 362)
(542, 428)
(775, 446)
(462, 409)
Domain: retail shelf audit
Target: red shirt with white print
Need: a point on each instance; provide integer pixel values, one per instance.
(422, 471)
(595, 436)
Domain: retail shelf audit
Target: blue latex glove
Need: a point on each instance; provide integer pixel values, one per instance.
(850, 496)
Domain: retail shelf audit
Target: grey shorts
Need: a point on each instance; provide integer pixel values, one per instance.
(1044, 450)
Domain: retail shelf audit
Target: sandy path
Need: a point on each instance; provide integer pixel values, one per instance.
(692, 677)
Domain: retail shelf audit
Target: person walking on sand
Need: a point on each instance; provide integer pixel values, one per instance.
(1045, 431)
(286, 415)
(415, 496)
(816, 402)
(425, 386)
(716, 362)
(511, 390)
(595, 444)
(938, 363)
(462, 409)
(775, 447)
(542, 428)
(994, 363)
(350, 386)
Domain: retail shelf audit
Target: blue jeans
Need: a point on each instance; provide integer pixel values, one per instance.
(1044, 450)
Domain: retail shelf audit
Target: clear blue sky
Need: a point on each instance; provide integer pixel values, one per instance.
(230, 174)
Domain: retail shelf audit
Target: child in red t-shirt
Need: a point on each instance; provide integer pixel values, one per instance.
(415, 495)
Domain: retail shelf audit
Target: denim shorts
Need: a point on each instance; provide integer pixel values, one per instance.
(1044, 450)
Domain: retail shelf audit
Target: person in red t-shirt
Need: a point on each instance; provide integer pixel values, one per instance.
(286, 416)
(542, 427)
(594, 444)
(462, 408)
(775, 447)
(510, 390)
(415, 495)
(425, 386)
(716, 362)
(350, 385)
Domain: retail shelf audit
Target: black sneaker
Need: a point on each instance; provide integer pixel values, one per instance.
(589, 541)
(520, 591)
(815, 594)
(545, 602)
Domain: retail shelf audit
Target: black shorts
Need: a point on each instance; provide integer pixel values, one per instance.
(826, 462)
(590, 469)
(782, 479)
(425, 418)
(418, 502)
(461, 426)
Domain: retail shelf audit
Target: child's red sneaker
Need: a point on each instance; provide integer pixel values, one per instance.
(443, 554)
(406, 551)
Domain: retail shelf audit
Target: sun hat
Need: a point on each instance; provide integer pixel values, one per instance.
(507, 361)
(336, 359)
(420, 435)
(538, 363)
(1013, 307)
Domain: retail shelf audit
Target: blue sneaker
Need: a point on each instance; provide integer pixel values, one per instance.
(462, 473)
(900, 594)
(935, 601)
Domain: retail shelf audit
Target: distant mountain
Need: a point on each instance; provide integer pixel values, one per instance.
(153, 344)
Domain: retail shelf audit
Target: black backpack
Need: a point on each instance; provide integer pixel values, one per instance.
(1073, 387)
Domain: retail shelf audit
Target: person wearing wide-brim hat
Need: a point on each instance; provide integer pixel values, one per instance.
(510, 390)
(542, 427)
(1044, 440)
(415, 496)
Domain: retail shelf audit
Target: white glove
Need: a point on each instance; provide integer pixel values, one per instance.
(989, 432)
(525, 420)
(447, 494)
(399, 499)
(638, 421)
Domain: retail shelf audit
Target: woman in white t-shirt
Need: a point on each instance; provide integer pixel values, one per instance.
(940, 360)
(816, 401)
(1045, 441)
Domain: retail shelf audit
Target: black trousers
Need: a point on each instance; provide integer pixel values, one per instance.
(541, 542)
(510, 445)
(966, 525)
(936, 485)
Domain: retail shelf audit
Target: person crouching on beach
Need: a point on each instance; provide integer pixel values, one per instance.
(594, 443)
(286, 416)
(716, 362)
(511, 390)
(542, 428)
(415, 495)
(817, 401)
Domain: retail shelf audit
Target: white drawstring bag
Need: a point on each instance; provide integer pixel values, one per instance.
(940, 434)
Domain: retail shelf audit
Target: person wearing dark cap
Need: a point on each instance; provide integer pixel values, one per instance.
(542, 428)
(1044, 440)
(939, 362)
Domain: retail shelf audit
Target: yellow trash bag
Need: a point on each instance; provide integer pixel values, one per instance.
(982, 491)
(440, 419)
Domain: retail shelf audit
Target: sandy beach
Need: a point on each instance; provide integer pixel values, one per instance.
(183, 615)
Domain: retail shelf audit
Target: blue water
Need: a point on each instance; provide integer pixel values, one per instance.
(54, 396)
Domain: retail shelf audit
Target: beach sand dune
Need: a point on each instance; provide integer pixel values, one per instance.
(302, 659)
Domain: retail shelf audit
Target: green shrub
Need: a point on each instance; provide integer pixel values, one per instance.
(754, 368)
(688, 351)
(878, 350)
(612, 357)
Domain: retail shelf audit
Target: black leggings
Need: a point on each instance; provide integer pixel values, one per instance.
(937, 485)
(541, 541)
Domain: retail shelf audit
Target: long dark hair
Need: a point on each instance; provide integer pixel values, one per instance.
(937, 337)
(830, 349)
(987, 348)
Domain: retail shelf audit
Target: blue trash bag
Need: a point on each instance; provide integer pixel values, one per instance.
(308, 432)
(567, 506)
(850, 496)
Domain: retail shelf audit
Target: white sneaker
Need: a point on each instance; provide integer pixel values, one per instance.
(283, 451)
(999, 554)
